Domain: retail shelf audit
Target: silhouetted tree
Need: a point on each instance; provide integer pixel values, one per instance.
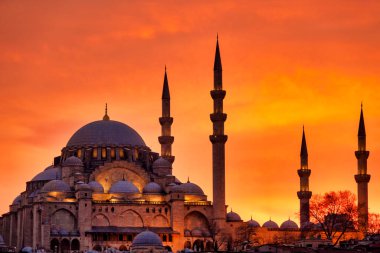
(335, 212)
(218, 236)
(373, 223)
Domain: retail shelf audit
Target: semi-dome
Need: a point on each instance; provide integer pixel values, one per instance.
(123, 187)
(289, 224)
(50, 173)
(72, 161)
(270, 224)
(253, 224)
(147, 238)
(161, 163)
(17, 200)
(56, 186)
(96, 186)
(152, 188)
(188, 188)
(232, 216)
(106, 132)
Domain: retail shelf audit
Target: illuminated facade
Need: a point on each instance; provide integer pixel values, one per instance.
(108, 187)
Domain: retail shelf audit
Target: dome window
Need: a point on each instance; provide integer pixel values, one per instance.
(113, 154)
(104, 153)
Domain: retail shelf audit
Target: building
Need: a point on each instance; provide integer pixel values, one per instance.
(107, 187)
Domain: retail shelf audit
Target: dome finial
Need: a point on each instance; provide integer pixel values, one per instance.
(188, 179)
(106, 117)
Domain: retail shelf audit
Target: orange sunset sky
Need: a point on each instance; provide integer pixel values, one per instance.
(285, 64)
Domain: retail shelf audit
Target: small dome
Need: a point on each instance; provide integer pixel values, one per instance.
(56, 186)
(161, 162)
(27, 249)
(17, 200)
(152, 188)
(123, 187)
(232, 216)
(96, 186)
(270, 224)
(50, 173)
(253, 224)
(72, 161)
(289, 224)
(188, 188)
(80, 186)
(147, 238)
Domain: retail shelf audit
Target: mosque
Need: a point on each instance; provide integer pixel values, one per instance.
(108, 189)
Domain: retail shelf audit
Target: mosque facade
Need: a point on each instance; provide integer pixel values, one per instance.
(108, 189)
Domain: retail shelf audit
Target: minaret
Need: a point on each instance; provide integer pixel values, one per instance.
(304, 194)
(362, 178)
(218, 140)
(166, 140)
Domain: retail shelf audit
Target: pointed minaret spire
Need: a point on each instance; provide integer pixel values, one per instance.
(106, 117)
(218, 80)
(166, 121)
(362, 178)
(304, 154)
(165, 89)
(304, 194)
(361, 131)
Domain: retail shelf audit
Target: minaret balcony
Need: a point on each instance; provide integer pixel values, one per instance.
(304, 194)
(218, 117)
(166, 139)
(304, 172)
(218, 94)
(361, 154)
(166, 120)
(362, 178)
(218, 139)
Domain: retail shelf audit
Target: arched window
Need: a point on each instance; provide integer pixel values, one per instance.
(104, 153)
(95, 153)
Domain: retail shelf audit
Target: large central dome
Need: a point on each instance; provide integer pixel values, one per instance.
(106, 132)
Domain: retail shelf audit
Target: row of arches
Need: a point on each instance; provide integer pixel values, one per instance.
(122, 248)
(64, 245)
(129, 218)
(199, 245)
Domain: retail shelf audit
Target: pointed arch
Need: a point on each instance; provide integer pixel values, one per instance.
(196, 220)
(159, 221)
(100, 220)
(130, 218)
(64, 220)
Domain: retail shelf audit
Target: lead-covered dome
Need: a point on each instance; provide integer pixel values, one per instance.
(232, 217)
(123, 187)
(289, 224)
(270, 224)
(152, 188)
(96, 186)
(161, 163)
(72, 161)
(56, 186)
(147, 238)
(106, 132)
(188, 188)
(17, 200)
(253, 224)
(50, 173)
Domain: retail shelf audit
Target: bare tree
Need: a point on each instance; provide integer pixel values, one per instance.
(219, 238)
(335, 212)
